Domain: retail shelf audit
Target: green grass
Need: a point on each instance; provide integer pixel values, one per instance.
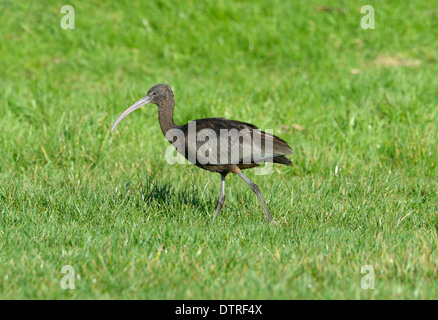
(363, 189)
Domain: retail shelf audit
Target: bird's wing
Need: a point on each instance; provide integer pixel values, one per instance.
(224, 141)
(257, 146)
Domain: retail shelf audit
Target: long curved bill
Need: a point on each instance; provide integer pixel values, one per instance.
(135, 106)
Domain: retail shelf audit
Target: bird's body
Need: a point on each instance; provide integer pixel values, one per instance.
(220, 125)
(216, 144)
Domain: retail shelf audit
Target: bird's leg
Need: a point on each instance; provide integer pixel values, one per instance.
(257, 192)
(221, 200)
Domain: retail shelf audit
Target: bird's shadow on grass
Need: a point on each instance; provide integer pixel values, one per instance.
(160, 193)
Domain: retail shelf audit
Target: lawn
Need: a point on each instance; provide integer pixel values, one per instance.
(359, 107)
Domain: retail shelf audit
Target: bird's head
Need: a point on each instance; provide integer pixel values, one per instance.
(160, 94)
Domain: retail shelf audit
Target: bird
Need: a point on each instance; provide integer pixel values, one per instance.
(216, 144)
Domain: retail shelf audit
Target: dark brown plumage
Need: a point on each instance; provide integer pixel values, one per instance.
(227, 145)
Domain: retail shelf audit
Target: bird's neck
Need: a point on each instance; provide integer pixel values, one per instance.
(165, 116)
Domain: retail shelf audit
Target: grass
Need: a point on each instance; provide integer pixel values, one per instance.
(362, 191)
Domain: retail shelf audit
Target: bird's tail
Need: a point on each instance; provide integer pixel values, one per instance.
(282, 160)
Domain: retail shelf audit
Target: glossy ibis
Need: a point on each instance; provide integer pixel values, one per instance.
(245, 147)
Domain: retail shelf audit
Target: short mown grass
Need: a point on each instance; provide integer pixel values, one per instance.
(358, 107)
